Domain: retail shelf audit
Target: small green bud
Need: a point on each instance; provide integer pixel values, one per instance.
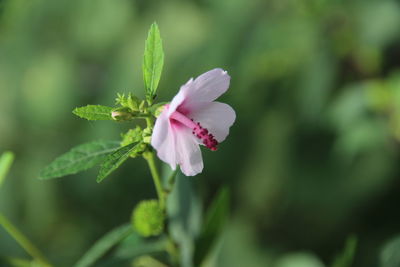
(120, 100)
(131, 101)
(142, 105)
(131, 136)
(147, 139)
(148, 218)
(121, 114)
(156, 109)
(147, 135)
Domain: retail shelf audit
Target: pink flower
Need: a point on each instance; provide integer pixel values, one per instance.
(193, 118)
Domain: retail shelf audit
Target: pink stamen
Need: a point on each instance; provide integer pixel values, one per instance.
(197, 130)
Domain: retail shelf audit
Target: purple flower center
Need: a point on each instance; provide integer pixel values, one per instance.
(197, 130)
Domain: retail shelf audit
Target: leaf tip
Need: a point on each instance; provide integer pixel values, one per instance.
(154, 26)
(75, 111)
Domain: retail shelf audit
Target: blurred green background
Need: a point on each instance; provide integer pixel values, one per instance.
(312, 158)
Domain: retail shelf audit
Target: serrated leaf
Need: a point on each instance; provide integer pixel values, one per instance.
(104, 244)
(216, 217)
(79, 158)
(6, 160)
(114, 160)
(94, 112)
(153, 61)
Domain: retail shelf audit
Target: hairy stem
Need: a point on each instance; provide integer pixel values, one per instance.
(23, 241)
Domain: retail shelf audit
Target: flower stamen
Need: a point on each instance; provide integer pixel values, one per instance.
(197, 130)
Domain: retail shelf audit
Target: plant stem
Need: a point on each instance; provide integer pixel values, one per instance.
(172, 250)
(156, 177)
(150, 122)
(149, 156)
(171, 180)
(23, 241)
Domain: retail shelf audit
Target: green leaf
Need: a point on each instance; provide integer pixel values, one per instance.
(216, 217)
(345, 258)
(153, 62)
(16, 262)
(104, 244)
(94, 112)
(298, 259)
(147, 261)
(114, 160)
(390, 255)
(79, 159)
(24, 242)
(135, 245)
(6, 160)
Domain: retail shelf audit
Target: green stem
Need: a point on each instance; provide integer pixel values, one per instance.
(172, 250)
(156, 177)
(171, 179)
(23, 241)
(149, 156)
(150, 122)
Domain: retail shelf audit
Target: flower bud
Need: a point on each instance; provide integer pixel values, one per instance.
(132, 136)
(121, 114)
(131, 101)
(142, 105)
(148, 218)
(147, 135)
(156, 109)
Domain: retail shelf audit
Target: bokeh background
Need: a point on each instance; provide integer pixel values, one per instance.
(312, 158)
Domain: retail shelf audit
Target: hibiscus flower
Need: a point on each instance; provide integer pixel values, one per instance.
(193, 118)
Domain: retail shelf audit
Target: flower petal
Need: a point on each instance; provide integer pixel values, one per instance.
(188, 152)
(179, 97)
(216, 117)
(207, 87)
(163, 139)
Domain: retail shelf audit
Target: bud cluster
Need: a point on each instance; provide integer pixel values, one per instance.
(148, 218)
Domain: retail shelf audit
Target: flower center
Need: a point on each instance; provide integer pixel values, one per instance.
(197, 130)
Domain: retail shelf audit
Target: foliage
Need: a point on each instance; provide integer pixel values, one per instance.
(6, 160)
(390, 253)
(79, 159)
(346, 257)
(153, 62)
(93, 112)
(115, 159)
(104, 244)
